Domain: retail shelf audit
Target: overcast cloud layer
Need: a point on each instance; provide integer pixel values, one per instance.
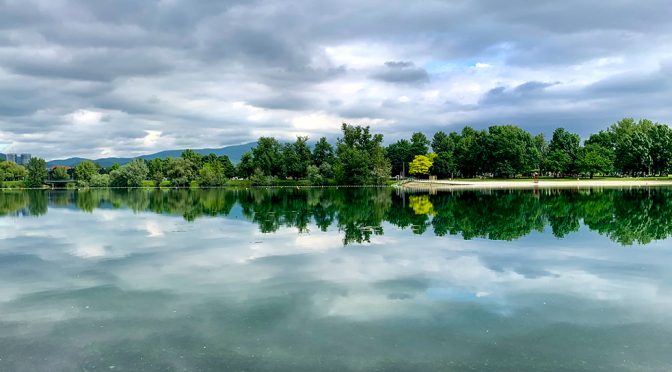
(126, 77)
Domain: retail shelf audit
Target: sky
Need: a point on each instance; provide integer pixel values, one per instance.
(125, 77)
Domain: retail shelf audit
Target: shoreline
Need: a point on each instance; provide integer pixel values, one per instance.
(457, 185)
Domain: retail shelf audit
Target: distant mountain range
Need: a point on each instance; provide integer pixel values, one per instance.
(234, 153)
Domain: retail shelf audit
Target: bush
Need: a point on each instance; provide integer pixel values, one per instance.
(100, 180)
(314, 175)
(260, 179)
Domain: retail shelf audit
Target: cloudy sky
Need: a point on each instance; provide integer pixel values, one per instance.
(125, 77)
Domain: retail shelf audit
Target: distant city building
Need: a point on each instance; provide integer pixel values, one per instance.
(25, 159)
(22, 159)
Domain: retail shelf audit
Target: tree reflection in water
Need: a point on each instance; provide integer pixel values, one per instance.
(626, 216)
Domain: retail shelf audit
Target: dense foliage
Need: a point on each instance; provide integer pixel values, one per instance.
(627, 148)
(633, 216)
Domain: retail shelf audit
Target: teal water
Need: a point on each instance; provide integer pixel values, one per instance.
(336, 280)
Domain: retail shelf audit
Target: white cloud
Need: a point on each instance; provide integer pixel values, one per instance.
(85, 117)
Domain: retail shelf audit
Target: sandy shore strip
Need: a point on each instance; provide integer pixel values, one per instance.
(453, 185)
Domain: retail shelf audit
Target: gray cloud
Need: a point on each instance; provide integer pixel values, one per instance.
(401, 72)
(211, 73)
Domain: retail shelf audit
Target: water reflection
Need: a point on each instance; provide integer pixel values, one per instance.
(143, 280)
(629, 216)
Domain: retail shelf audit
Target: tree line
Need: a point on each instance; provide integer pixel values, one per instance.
(624, 216)
(627, 148)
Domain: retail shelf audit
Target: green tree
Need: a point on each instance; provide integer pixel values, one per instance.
(12, 171)
(179, 172)
(323, 153)
(100, 180)
(227, 166)
(136, 172)
(291, 166)
(542, 150)
(267, 156)
(444, 165)
(130, 175)
(470, 152)
(36, 172)
(511, 151)
(661, 149)
(399, 154)
(258, 178)
(567, 143)
(156, 170)
(211, 175)
(245, 168)
(360, 157)
(326, 170)
(632, 146)
(85, 170)
(303, 156)
(194, 160)
(595, 159)
(60, 173)
(314, 175)
(444, 145)
(381, 169)
(557, 162)
(419, 144)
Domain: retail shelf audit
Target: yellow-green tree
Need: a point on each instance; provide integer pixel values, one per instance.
(421, 164)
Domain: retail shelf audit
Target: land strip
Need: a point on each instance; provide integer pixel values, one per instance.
(528, 184)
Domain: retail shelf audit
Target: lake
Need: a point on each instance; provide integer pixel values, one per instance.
(329, 279)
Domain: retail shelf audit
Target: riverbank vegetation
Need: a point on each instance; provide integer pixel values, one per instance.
(632, 216)
(628, 148)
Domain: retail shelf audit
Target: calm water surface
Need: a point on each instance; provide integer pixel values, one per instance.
(336, 280)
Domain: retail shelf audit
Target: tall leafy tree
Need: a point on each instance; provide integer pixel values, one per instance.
(444, 146)
(568, 144)
(399, 154)
(470, 152)
(157, 168)
(60, 173)
(419, 144)
(267, 156)
(511, 151)
(296, 158)
(130, 175)
(542, 149)
(291, 166)
(179, 171)
(594, 159)
(211, 174)
(245, 167)
(661, 148)
(194, 160)
(85, 170)
(227, 166)
(36, 172)
(360, 157)
(323, 152)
